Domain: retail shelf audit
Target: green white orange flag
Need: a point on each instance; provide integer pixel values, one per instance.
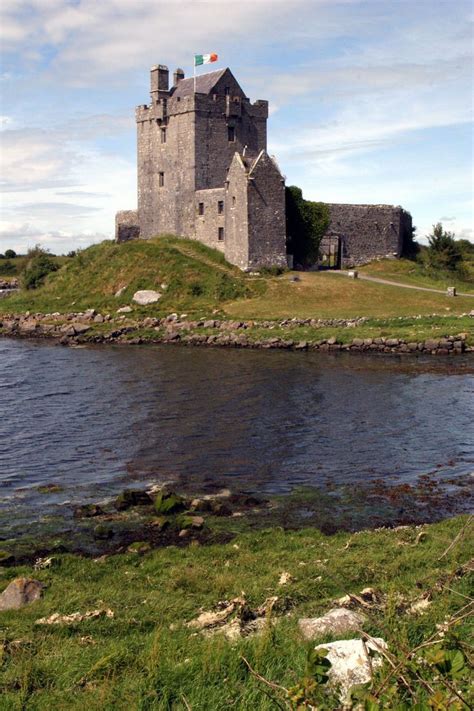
(205, 59)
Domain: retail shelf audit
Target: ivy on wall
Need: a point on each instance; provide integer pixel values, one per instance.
(306, 224)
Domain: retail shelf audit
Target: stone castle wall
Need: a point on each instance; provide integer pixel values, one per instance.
(266, 211)
(208, 217)
(369, 231)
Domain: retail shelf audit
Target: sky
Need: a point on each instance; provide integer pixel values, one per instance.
(370, 102)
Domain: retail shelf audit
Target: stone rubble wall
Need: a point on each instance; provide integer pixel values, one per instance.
(77, 327)
(127, 226)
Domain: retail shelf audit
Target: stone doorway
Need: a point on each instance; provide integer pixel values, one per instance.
(330, 252)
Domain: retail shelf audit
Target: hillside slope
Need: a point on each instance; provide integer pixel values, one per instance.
(189, 276)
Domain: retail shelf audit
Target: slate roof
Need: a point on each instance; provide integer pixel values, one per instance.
(204, 84)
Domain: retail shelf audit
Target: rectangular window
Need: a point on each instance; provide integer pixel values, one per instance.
(220, 207)
(220, 234)
(231, 134)
(163, 135)
(227, 90)
(201, 208)
(161, 179)
(233, 200)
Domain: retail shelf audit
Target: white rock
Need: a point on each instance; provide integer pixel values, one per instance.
(120, 291)
(147, 296)
(336, 621)
(124, 310)
(349, 662)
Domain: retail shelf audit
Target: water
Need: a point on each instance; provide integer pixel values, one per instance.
(94, 420)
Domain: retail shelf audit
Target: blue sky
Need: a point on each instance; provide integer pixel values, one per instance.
(370, 102)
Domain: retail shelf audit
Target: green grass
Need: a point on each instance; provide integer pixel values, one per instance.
(413, 273)
(199, 282)
(325, 295)
(196, 277)
(146, 658)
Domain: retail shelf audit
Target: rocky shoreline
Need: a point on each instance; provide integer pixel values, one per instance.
(95, 328)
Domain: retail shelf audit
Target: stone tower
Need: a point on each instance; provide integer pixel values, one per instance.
(203, 170)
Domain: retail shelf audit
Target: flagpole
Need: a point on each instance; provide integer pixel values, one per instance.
(194, 63)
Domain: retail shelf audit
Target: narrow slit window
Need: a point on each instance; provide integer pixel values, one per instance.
(220, 234)
(220, 207)
(201, 208)
(163, 135)
(233, 200)
(161, 179)
(231, 134)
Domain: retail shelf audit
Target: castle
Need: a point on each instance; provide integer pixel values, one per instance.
(204, 173)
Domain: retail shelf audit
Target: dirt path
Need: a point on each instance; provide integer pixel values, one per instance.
(189, 252)
(377, 280)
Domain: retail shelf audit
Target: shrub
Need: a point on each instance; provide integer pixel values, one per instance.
(7, 268)
(38, 267)
(10, 254)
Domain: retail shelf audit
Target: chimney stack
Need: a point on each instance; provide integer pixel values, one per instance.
(159, 81)
(177, 76)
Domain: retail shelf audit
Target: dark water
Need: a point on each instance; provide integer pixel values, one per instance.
(95, 420)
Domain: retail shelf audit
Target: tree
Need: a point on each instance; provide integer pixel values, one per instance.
(443, 251)
(10, 254)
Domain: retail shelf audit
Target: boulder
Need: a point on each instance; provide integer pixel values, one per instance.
(124, 310)
(336, 621)
(146, 296)
(88, 511)
(20, 592)
(168, 503)
(132, 497)
(350, 663)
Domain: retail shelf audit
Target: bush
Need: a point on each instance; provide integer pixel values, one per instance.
(10, 254)
(7, 267)
(38, 267)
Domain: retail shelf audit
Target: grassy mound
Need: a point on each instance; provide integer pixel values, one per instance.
(195, 277)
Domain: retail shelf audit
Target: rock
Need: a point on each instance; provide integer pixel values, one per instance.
(21, 592)
(87, 511)
(132, 497)
(220, 509)
(146, 296)
(160, 524)
(124, 310)
(6, 558)
(57, 619)
(336, 621)
(79, 328)
(201, 505)
(285, 578)
(168, 503)
(103, 533)
(350, 664)
(120, 291)
(139, 547)
(184, 533)
(99, 318)
(420, 606)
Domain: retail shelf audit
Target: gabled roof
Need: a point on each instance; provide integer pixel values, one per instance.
(204, 84)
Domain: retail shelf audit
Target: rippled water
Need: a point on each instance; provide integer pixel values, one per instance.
(94, 419)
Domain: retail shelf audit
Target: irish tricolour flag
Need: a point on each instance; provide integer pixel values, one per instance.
(204, 59)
